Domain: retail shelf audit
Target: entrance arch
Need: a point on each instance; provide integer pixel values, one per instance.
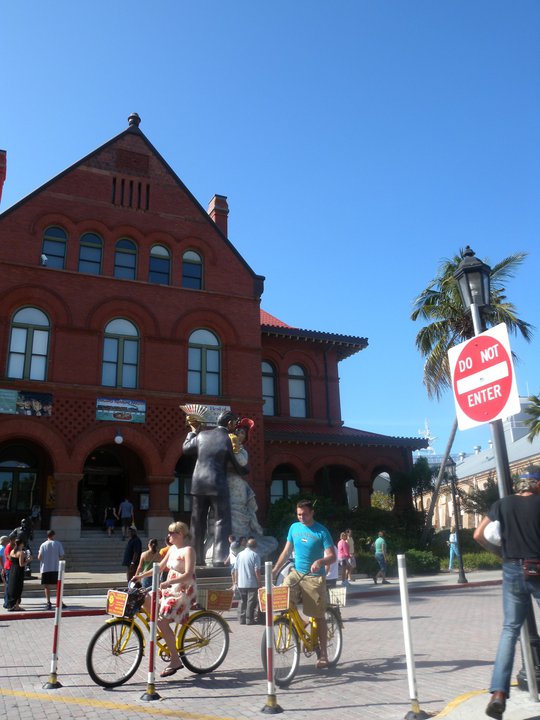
(25, 469)
(332, 481)
(110, 474)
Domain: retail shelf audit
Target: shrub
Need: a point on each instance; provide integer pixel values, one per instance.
(481, 561)
(422, 562)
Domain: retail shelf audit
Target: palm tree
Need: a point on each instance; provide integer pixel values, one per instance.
(533, 421)
(449, 323)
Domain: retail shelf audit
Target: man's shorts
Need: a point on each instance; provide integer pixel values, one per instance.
(311, 592)
(49, 578)
(126, 521)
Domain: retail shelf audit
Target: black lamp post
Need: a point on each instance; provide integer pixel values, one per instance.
(451, 469)
(473, 279)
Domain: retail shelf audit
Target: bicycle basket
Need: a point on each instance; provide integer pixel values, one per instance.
(134, 602)
(125, 602)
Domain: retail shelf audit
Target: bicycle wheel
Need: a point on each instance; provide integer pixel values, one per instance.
(114, 653)
(203, 642)
(286, 652)
(334, 636)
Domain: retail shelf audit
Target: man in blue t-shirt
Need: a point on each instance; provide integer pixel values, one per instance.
(314, 552)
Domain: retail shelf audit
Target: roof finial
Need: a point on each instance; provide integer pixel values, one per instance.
(134, 119)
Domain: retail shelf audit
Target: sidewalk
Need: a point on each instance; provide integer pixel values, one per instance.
(85, 596)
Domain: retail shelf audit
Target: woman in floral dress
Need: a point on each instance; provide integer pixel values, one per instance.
(178, 591)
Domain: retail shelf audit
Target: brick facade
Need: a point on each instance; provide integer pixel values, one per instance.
(126, 190)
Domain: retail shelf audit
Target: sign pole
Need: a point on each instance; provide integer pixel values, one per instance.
(527, 676)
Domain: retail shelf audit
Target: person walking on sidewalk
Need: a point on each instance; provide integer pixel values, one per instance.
(246, 575)
(453, 546)
(352, 563)
(379, 548)
(49, 555)
(519, 517)
(344, 557)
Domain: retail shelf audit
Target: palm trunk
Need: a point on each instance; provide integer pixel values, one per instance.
(429, 518)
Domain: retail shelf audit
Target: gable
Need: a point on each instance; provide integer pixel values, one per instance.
(125, 188)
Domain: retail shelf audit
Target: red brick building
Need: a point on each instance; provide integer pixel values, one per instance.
(122, 298)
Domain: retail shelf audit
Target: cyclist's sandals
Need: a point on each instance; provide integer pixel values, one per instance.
(322, 664)
(170, 671)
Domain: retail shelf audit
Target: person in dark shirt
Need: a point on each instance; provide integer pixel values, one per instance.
(132, 553)
(519, 518)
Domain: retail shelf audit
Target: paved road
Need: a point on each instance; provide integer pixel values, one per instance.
(454, 633)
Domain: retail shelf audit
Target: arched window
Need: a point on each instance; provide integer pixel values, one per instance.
(120, 354)
(192, 270)
(54, 247)
(90, 253)
(297, 392)
(125, 259)
(284, 483)
(29, 345)
(204, 363)
(268, 388)
(160, 265)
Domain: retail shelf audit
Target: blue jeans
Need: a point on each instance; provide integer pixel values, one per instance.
(379, 557)
(517, 593)
(454, 552)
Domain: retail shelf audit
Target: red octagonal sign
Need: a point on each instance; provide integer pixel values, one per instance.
(483, 378)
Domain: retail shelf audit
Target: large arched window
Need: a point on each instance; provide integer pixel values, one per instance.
(160, 265)
(204, 363)
(90, 253)
(29, 345)
(120, 354)
(125, 259)
(268, 388)
(192, 270)
(54, 247)
(297, 392)
(284, 483)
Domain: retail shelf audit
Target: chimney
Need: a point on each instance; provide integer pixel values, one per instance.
(218, 209)
(3, 166)
(477, 449)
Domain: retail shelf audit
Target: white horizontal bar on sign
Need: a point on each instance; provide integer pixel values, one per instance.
(484, 377)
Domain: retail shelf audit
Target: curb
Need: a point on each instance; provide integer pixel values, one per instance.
(40, 614)
(414, 590)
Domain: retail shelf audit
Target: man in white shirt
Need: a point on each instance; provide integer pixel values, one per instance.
(247, 576)
(49, 555)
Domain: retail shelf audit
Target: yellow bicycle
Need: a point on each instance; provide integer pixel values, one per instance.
(117, 648)
(290, 635)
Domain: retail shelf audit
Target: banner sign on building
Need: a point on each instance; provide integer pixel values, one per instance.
(15, 402)
(121, 410)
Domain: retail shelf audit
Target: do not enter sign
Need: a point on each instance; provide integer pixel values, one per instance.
(483, 378)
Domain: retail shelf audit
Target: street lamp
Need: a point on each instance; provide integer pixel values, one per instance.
(451, 468)
(473, 279)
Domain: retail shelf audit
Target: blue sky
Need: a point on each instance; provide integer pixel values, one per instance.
(358, 142)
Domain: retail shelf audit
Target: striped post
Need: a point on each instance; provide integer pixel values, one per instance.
(415, 713)
(151, 693)
(53, 683)
(271, 705)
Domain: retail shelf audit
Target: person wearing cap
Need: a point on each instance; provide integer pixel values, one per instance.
(519, 518)
(132, 553)
(209, 489)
